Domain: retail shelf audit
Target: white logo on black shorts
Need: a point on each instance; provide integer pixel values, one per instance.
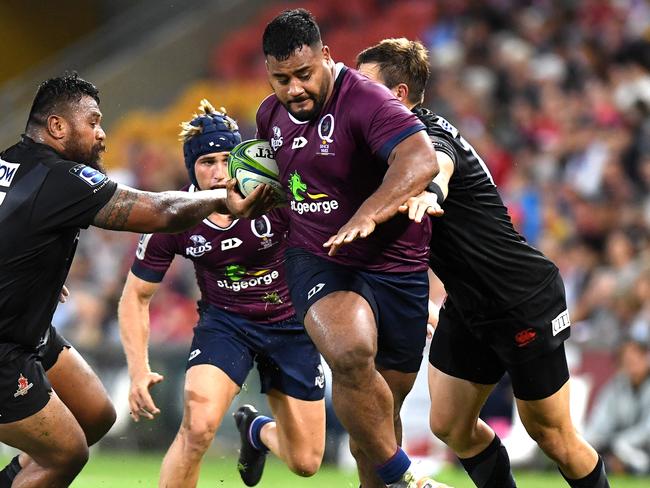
(319, 381)
(315, 290)
(560, 322)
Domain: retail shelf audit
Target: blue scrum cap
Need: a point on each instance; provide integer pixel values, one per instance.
(208, 132)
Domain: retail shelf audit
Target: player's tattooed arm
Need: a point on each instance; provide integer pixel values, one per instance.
(139, 211)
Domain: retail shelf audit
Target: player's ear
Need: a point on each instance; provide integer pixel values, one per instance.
(402, 92)
(57, 126)
(326, 53)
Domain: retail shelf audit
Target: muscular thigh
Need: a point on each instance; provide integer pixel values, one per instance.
(48, 435)
(342, 325)
(209, 391)
(335, 303)
(79, 387)
(301, 422)
(455, 402)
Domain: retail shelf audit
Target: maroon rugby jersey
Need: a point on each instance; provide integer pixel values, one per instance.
(330, 165)
(239, 268)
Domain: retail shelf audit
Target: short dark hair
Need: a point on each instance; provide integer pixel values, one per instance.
(54, 93)
(400, 61)
(289, 31)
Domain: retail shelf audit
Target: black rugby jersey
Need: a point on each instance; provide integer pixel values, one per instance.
(484, 263)
(44, 201)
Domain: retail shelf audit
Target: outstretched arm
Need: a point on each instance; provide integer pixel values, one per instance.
(133, 315)
(173, 211)
(429, 202)
(412, 166)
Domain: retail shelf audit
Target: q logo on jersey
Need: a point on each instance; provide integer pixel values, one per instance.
(325, 132)
(89, 175)
(262, 228)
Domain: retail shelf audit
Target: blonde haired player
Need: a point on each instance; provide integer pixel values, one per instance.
(245, 316)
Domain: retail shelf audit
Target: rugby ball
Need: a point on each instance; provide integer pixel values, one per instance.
(252, 163)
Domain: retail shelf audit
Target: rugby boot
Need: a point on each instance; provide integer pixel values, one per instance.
(409, 481)
(251, 460)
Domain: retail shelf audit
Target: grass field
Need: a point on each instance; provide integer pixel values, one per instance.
(129, 470)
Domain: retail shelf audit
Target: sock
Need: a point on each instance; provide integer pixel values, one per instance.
(255, 430)
(9, 472)
(596, 479)
(393, 469)
(490, 468)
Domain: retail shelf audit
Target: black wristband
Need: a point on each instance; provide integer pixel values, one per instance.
(434, 188)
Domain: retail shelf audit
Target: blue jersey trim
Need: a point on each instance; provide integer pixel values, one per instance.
(388, 147)
(147, 274)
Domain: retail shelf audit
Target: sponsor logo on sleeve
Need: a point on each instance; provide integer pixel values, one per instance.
(142, 246)
(194, 353)
(560, 322)
(89, 175)
(7, 172)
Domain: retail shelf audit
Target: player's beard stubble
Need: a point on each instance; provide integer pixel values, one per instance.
(76, 150)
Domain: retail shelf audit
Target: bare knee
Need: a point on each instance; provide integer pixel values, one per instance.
(554, 441)
(67, 462)
(441, 427)
(100, 424)
(454, 433)
(351, 364)
(197, 435)
(305, 464)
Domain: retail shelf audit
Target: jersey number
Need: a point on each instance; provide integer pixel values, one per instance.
(447, 127)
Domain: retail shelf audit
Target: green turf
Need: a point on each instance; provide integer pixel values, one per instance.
(134, 470)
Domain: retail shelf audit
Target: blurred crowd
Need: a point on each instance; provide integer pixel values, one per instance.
(555, 97)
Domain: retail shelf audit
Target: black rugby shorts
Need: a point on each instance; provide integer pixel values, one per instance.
(24, 387)
(527, 341)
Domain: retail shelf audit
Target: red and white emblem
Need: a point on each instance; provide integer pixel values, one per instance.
(23, 386)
